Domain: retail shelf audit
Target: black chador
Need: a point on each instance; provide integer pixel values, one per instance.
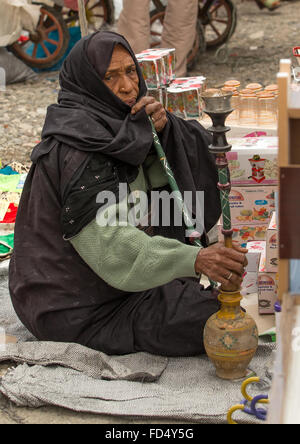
(54, 292)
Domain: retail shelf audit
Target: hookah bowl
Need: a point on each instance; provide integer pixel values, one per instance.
(230, 335)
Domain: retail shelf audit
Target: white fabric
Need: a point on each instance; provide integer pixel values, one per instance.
(16, 16)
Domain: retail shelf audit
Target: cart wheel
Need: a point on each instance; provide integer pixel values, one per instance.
(98, 12)
(220, 22)
(52, 46)
(157, 23)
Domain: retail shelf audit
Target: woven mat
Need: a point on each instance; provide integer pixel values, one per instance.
(138, 385)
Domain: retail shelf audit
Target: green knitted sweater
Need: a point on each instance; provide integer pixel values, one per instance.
(126, 257)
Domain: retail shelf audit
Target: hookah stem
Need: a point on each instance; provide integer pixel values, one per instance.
(177, 193)
(224, 187)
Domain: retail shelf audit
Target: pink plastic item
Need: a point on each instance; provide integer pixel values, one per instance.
(72, 4)
(256, 134)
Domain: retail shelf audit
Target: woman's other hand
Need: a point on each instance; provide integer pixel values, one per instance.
(153, 109)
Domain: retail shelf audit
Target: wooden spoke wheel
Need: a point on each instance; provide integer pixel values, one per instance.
(219, 22)
(157, 22)
(218, 18)
(98, 12)
(44, 47)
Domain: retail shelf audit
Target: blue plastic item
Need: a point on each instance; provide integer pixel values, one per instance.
(8, 171)
(75, 36)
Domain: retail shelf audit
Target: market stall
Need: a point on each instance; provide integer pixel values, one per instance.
(188, 388)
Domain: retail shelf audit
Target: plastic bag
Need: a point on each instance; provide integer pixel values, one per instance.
(15, 69)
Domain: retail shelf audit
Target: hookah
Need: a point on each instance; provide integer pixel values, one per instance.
(231, 335)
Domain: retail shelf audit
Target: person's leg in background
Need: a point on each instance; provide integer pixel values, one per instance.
(180, 30)
(134, 24)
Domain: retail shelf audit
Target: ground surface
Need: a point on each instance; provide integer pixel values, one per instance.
(260, 41)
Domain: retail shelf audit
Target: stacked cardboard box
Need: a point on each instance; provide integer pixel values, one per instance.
(267, 287)
(253, 161)
(250, 282)
(183, 97)
(179, 96)
(272, 246)
(158, 67)
(254, 178)
(268, 271)
(261, 274)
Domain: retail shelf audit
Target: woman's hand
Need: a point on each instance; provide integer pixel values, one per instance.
(223, 265)
(153, 109)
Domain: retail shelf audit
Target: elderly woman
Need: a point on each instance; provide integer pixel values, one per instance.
(116, 288)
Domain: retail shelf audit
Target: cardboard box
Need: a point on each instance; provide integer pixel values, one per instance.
(267, 288)
(245, 233)
(158, 66)
(169, 57)
(272, 246)
(252, 205)
(255, 250)
(250, 281)
(188, 82)
(183, 97)
(253, 161)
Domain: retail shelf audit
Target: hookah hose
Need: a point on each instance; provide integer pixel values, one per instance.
(193, 234)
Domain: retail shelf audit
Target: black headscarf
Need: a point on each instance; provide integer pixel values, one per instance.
(89, 117)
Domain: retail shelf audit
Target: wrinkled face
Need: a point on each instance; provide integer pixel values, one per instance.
(121, 77)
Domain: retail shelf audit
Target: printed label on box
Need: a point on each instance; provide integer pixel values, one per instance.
(252, 205)
(267, 288)
(267, 292)
(245, 233)
(253, 161)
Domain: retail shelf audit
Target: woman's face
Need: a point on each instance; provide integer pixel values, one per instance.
(122, 77)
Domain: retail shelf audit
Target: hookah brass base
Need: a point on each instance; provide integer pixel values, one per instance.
(231, 338)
